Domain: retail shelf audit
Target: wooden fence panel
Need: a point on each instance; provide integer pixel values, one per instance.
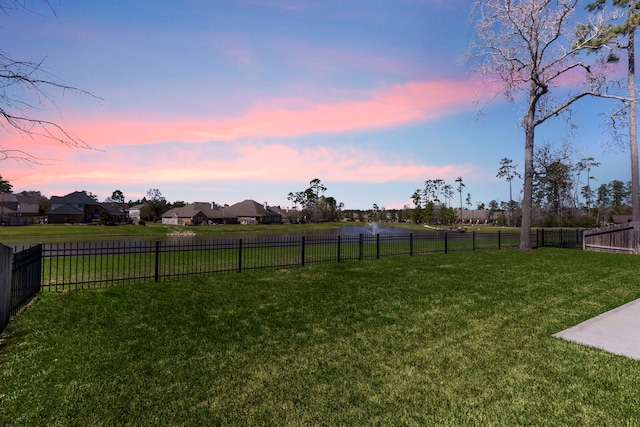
(623, 238)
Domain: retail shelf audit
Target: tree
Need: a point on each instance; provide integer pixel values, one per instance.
(375, 212)
(523, 46)
(602, 202)
(619, 193)
(493, 208)
(416, 213)
(586, 163)
(508, 171)
(155, 205)
(315, 206)
(447, 193)
(608, 38)
(26, 87)
(117, 199)
(5, 186)
(552, 179)
(460, 187)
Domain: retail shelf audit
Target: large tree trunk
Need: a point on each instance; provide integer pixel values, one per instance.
(633, 136)
(527, 199)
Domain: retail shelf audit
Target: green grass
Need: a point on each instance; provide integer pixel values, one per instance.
(458, 339)
(55, 233)
(58, 233)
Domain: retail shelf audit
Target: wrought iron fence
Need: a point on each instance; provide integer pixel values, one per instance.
(95, 264)
(571, 238)
(98, 264)
(61, 266)
(25, 277)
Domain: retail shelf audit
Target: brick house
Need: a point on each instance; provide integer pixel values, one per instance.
(18, 209)
(79, 207)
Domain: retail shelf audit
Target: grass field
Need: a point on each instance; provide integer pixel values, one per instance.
(458, 339)
(57, 233)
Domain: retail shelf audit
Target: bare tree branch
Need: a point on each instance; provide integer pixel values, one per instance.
(26, 89)
(526, 48)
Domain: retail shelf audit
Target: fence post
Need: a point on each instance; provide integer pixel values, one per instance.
(239, 255)
(6, 266)
(377, 246)
(339, 248)
(473, 240)
(446, 243)
(360, 247)
(499, 240)
(303, 248)
(157, 267)
(410, 244)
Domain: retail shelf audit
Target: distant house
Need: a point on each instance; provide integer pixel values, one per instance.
(134, 213)
(18, 209)
(620, 219)
(251, 212)
(475, 216)
(291, 216)
(193, 214)
(78, 207)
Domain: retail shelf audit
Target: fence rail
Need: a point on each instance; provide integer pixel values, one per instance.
(623, 238)
(98, 264)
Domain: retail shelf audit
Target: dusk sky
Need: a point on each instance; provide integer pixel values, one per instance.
(227, 100)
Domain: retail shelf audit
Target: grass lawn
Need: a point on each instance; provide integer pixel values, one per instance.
(457, 339)
(59, 233)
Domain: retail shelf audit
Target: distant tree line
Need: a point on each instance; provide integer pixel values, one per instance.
(314, 205)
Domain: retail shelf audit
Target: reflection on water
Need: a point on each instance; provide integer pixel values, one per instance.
(372, 228)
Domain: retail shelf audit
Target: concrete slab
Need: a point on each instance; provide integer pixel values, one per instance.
(616, 331)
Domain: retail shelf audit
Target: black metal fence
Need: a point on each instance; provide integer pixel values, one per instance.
(25, 277)
(559, 238)
(62, 266)
(98, 264)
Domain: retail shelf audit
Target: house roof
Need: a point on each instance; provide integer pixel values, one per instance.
(292, 213)
(621, 219)
(8, 198)
(66, 210)
(188, 211)
(70, 203)
(248, 208)
(113, 210)
(23, 198)
(75, 198)
(192, 209)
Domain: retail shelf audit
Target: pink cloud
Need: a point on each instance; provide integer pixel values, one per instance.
(263, 162)
(394, 106)
(130, 152)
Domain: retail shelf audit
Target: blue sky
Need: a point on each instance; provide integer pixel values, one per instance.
(229, 100)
